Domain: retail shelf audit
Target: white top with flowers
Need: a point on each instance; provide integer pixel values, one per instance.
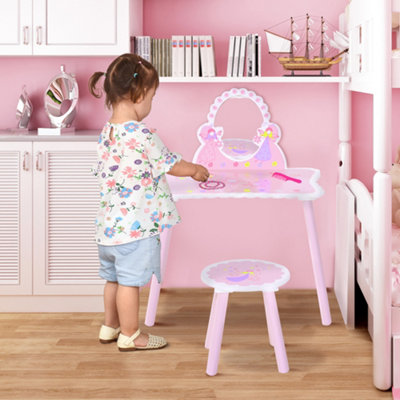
(135, 199)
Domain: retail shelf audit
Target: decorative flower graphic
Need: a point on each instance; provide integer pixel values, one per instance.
(132, 144)
(125, 193)
(111, 183)
(109, 232)
(129, 172)
(131, 127)
(156, 216)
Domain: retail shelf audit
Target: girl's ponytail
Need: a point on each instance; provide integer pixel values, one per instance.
(93, 82)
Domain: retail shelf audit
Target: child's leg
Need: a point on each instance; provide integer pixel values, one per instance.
(110, 305)
(128, 312)
(128, 309)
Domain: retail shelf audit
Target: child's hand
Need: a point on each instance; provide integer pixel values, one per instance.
(201, 174)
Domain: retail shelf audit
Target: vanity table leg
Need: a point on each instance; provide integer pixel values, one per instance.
(317, 263)
(155, 287)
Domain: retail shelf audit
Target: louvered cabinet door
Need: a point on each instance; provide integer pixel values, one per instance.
(66, 197)
(15, 218)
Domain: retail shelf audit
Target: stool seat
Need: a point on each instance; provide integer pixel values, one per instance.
(245, 275)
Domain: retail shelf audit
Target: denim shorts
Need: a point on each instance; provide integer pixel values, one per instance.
(131, 264)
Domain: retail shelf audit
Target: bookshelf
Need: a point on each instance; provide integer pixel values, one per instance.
(261, 79)
(180, 17)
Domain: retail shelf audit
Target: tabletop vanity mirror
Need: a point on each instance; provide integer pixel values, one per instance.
(60, 101)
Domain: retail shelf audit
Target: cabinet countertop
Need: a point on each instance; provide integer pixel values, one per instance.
(79, 136)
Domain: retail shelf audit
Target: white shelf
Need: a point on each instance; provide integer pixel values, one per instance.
(262, 79)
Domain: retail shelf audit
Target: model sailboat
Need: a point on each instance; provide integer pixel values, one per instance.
(292, 61)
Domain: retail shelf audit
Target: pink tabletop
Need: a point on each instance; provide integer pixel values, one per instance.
(295, 183)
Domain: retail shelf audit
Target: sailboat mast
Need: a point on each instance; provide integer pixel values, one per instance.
(322, 52)
(291, 37)
(307, 55)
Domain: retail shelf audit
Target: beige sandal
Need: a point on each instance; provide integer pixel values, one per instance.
(108, 334)
(126, 343)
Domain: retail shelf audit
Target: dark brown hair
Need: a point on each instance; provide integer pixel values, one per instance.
(129, 76)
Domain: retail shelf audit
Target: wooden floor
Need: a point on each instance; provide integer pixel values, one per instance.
(58, 356)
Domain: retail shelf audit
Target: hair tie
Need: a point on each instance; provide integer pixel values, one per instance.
(135, 74)
(139, 62)
(105, 73)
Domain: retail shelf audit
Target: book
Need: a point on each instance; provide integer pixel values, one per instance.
(259, 56)
(195, 56)
(236, 56)
(203, 56)
(210, 56)
(242, 54)
(229, 66)
(178, 56)
(188, 56)
(142, 47)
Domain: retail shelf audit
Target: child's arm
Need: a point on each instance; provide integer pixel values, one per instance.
(195, 171)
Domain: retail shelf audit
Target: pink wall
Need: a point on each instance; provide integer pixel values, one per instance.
(307, 114)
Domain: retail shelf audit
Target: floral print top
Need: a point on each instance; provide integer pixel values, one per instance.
(135, 199)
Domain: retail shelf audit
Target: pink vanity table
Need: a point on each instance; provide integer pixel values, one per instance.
(247, 169)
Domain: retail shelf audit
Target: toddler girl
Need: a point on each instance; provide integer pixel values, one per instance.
(135, 199)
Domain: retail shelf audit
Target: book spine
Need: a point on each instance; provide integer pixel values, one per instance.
(231, 50)
(146, 48)
(195, 57)
(256, 40)
(249, 68)
(259, 56)
(169, 48)
(253, 54)
(188, 56)
(174, 54)
(203, 56)
(163, 58)
(181, 56)
(236, 56)
(242, 55)
(210, 56)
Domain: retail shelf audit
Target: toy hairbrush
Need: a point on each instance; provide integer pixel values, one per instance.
(284, 177)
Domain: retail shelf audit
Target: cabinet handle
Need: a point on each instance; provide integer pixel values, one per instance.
(26, 34)
(39, 35)
(25, 164)
(39, 161)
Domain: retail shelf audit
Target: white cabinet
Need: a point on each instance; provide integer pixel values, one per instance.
(65, 201)
(15, 218)
(68, 27)
(48, 204)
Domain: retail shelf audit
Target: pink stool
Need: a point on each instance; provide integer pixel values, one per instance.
(244, 276)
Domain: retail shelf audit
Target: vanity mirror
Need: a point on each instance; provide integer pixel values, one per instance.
(60, 100)
(24, 112)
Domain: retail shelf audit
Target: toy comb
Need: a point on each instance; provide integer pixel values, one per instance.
(284, 177)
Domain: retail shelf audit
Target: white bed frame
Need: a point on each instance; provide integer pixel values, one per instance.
(363, 239)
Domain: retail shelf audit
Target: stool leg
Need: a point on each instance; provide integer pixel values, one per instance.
(211, 323)
(215, 336)
(317, 264)
(155, 287)
(274, 326)
(269, 323)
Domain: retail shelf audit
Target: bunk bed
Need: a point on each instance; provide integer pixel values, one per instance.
(364, 224)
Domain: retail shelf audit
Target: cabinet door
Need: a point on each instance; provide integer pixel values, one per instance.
(81, 27)
(66, 197)
(16, 218)
(15, 27)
